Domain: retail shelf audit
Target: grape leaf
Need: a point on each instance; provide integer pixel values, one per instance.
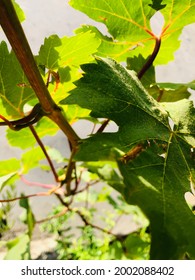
(18, 248)
(24, 138)
(178, 14)
(163, 92)
(156, 161)
(15, 91)
(63, 82)
(67, 51)
(169, 92)
(107, 172)
(157, 5)
(9, 166)
(62, 57)
(28, 217)
(135, 63)
(8, 179)
(31, 159)
(128, 23)
(108, 48)
(19, 11)
(48, 56)
(8, 171)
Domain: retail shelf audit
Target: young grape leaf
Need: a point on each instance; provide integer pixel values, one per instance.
(124, 19)
(128, 23)
(19, 11)
(15, 90)
(119, 51)
(156, 161)
(62, 57)
(67, 51)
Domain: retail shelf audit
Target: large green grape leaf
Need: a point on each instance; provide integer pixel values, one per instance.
(155, 158)
(15, 91)
(128, 22)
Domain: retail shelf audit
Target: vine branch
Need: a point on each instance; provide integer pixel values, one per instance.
(15, 34)
(34, 116)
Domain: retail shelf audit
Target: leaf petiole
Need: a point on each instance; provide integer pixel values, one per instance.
(151, 58)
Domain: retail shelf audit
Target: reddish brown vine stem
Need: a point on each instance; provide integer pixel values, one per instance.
(151, 59)
(45, 152)
(103, 126)
(26, 196)
(15, 34)
(34, 116)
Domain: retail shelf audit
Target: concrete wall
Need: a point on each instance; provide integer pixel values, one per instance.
(46, 17)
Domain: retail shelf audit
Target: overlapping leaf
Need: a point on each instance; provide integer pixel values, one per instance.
(105, 90)
(156, 161)
(162, 92)
(128, 22)
(56, 52)
(11, 168)
(62, 57)
(43, 128)
(108, 47)
(14, 88)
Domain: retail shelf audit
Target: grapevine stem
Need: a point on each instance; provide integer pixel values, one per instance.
(44, 151)
(151, 58)
(15, 34)
(103, 126)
